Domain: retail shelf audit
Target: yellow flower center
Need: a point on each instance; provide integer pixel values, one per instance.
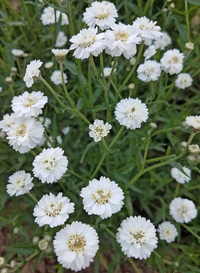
(21, 130)
(101, 197)
(53, 209)
(76, 243)
(122, 36)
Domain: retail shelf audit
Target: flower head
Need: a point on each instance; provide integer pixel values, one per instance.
(32, 72)
(87, 42)
(60, 54)
(189, 46)
(56, 77)
(52, 210)
(149, 71)
(19, 183)
(182, 210)
(163, 42)
(149, 52)
(25, 134)
(50, 165)
(179, 176)
(61, 39)
(98, 130)
(193, 121)
(122, 39)
(76, 245)
(17, 52)
(7, 121)
(137, 237)
(167, 231)
(131, 113)
(172, 61)
(101, 14)
(29, 104)
(48, 65)
(183, 81)
(102, 197)
(48, 16)
(147, 28)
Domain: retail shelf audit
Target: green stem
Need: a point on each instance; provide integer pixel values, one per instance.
(133, 68)
(134, 266)
(111, 74)
(115, 88)
(176, 191)
(90, 90)
(33, 153)
(61, 103)
(75, 174)
(105, 152)
(39, 148)
(159, 158)
(145, 155)
(187, 20)
(27, 259)
(165, 130)
(33, 197)
(138, 175)
(47, 137)
(102, 260)
(191, 231)
(102, 67)
(110, 232)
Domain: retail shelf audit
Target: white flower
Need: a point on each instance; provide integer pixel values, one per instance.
(32, 72)
(52, 210)
(17, 52)
(65, 130)
(179, 176)
(50, 165)
(87, 42)
(56, 77)
(193, 121)
(148, 42)
(48, 65)
(25, 134)
(76, 245)
(19, 183)
(101, 14)
(131, 113)
(48, 16)
(29, 104)
(64, 18)
(137, 237)
(149, 52)
(107, 71)
(149, 71)
(102, 197)
(46, 121)
(99, 129)
(122, 39)
(61, 39)
(163, 42)
(1, 89)
(167, 231)
(60, 52)
(132, 61)
(172, 61)
(7, 121)
(147, 28)
(189, 46)
(183, 81)
(182, 210)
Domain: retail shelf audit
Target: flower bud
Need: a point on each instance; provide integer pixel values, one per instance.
(189, 46)
(2, 261)
(13, 70)
(132, 60)
(2, 134)
(5, 270)
(49, 250)
(107, 71)
(191, 159)
(25, 55)
(35, 240)
(47, 237)
(48, 65)
(194, 149)
(131, 86)
(128, 69)
(183, 144)
(153, 125)
(43, 244)
(172, 5)
(8, 80)
(184, 125)
(13, 264)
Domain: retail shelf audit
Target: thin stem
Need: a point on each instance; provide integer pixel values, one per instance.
(115, 88)
(159, 158)
(75, 174)
(176, 191)
(105, 145)
(102, 67)
(61, 103)
(110, 232)
(138, 175)
(133, 68)
(165, 130)
(191, 231)
(134, 266)
(102, 260)
(47, 137)
(90, 90)
(187, 20)
(111, 74)
(33, 153)
(105, 152)
(33, 197)
(145, 154)
(39, 148)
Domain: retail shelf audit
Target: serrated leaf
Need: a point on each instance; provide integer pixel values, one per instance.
(194, 2)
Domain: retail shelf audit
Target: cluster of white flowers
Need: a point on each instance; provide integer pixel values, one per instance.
(50, 16)
(181, 177)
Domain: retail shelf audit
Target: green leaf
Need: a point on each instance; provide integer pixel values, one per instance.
(128, 204)
(194, 2)
(39, 258)
(23, 248)
(59, 110)
(181, 29)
